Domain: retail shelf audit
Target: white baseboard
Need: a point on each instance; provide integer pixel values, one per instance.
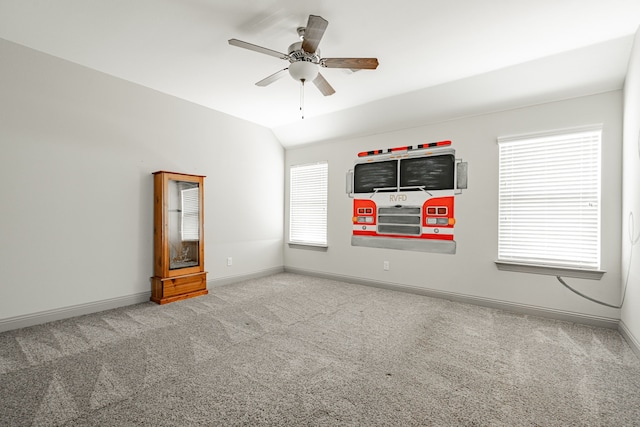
(602, 322)
(41, 317)
(630, 338)
(23, 321)
(221, 281)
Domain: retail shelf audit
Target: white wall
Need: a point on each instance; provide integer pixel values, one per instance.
(77, 152)
(472, 271)
(631, 196)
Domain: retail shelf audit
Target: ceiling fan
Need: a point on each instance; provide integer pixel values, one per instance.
(305, 60)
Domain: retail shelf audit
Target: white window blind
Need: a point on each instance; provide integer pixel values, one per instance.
(549, 199)
(308, 204)
(190, 214)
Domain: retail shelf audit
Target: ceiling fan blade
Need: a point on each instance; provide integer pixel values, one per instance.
(352, 63)
(313, 33)
(272, 78)
(256, 48)
(323, 85)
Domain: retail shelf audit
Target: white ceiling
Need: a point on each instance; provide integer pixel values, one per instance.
(438, 59)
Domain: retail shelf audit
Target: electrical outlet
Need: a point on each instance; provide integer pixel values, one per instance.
(229, 261)
(385, 265)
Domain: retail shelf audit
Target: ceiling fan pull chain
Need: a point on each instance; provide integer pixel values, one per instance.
(302, 97)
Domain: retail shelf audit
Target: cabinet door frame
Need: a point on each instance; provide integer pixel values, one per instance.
(161, 224)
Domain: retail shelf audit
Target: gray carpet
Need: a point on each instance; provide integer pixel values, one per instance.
(294, 350)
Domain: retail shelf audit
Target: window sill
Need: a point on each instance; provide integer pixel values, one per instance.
(549, 270)
(308, 246)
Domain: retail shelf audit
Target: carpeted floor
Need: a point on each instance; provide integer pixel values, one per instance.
(294, 350)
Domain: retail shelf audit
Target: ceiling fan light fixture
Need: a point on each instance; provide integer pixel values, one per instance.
(303, 70)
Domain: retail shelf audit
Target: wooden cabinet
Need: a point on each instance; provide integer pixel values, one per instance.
(178, 235)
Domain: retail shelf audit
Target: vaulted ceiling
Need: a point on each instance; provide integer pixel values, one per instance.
(438, 59)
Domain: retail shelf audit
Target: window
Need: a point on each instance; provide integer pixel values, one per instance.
(549, 199)
(190, 214)
(308, 204)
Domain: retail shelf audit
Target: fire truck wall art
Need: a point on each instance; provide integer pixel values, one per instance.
(404, 197)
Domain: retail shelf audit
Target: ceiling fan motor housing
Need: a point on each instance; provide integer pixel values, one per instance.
(296, 53)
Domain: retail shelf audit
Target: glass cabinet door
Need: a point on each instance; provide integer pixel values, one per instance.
(178, 237)
(184, 224)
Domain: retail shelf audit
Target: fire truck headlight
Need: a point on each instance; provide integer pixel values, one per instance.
(439, 221)
(365, 219)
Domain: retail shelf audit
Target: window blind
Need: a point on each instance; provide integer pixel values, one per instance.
(308, 204)
(549, 199)
(190, 214)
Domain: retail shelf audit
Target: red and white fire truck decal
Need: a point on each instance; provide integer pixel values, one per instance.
(403, 197)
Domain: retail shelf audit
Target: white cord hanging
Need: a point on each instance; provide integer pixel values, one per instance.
(633, 239)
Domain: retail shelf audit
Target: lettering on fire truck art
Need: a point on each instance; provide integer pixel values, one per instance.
(404, 197)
